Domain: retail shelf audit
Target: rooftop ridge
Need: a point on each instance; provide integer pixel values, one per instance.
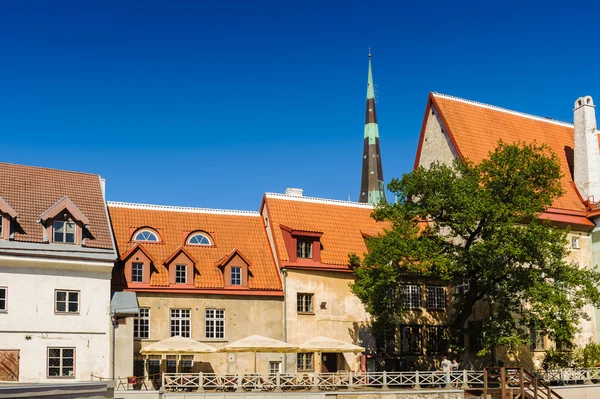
(47, 168)
(182, 209)
(500, 109)
(320, 200)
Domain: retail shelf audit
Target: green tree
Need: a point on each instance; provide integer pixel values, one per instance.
(479, 225)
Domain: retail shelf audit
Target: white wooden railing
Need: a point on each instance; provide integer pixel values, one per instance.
(570, 376)
(321, 381)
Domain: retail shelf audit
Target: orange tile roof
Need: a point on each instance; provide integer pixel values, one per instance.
(228, 229)
(343, 224)
(475, 129)
(32, 190)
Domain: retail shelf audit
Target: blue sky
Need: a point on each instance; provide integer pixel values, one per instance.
(211, 104)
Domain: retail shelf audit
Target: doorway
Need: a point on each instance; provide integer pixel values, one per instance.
(329, 362)
(9, 365)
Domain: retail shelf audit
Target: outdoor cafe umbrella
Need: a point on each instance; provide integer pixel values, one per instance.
(325, 344)
(258, 343)
(178, 346)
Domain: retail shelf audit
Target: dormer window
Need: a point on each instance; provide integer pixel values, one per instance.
(1, 229)
(137, 272)
(181, 274)
(236, 276)
(199, 239)
(7, 213)
(64, 232)
(304, 248)
(146, 236)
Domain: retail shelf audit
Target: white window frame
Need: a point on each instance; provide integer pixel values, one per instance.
(304, 248)
(411, 296)
(180, 322)
(64, 223)
(181, 274)
(133, 274)
(305, 362)
(200, 244)
(61, 366)
(141, 324)
(67, 301)
(274, 367)
(213, 319)
(4, 298)
(236, 275)
(137, 233)
(436, 297)
(575, 242)
(305, 303)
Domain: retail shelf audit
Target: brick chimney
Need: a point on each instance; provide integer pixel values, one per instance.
(587, 152)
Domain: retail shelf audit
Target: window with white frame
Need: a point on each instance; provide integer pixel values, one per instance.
(537, 341)
(305, 361)
(236, 276)
(304, 248)
(3, 299)
(180, 323)
(181, 274)
(199, 239)
(274, 367)
(436, 297)
(411, 296)
(61, 362)
(66, 301)
(141, 324)
(137, 272)
(146, 235)
(461, 289)
(64, 232)
(215, 323)
(305, 303)
(575, 242)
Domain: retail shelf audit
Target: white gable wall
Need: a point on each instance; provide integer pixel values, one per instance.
(436, 146)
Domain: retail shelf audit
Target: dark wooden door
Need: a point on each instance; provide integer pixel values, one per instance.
(329, 361)
(9, 365)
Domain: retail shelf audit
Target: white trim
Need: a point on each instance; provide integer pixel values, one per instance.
(500, 109)
(183, 209)
(320, 200)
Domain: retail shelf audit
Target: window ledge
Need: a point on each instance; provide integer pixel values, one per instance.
(213, 340)
(306, 313)
(67, 313)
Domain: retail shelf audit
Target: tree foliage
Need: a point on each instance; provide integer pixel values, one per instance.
(479, 225)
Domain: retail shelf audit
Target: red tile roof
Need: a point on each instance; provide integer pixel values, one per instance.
(344, 225)
(475, 128)
(31, 191)
(229, 230)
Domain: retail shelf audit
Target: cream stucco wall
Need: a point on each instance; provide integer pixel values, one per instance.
(343, 316)
(31, 325)
(244, 316)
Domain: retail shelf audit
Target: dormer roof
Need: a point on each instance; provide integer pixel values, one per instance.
(6, 208)
(59, 206)
(224, 260)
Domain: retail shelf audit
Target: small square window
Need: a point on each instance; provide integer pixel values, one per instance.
(181, 274)
(274, 367)
(3, 299)
(66, 301)
(305, 303)
(137, 272)
(236, 276)
(575, 242)
(61, 362)
(64, 232)
(304, 249)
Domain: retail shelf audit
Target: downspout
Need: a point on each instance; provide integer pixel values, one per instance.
(113, 321)
(284, 274)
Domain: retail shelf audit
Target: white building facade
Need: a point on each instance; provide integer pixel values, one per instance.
(56, 260)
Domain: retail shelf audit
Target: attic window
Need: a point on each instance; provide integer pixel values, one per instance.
(199, 239)
(64, 232)
(304, 248)
(146, 235)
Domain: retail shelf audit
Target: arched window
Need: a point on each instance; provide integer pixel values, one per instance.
(146, 235)
(199, 239)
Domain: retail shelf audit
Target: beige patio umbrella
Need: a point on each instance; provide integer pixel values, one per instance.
(325, 344)
(258, 343)
(178, 346)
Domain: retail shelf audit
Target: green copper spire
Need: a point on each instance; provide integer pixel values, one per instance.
(372, 189)
(370, 88)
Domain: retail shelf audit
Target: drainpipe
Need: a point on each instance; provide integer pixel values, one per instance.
(284, 274)
(113, 320)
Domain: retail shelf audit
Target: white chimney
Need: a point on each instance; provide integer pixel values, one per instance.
(293, 192)
(586, 153)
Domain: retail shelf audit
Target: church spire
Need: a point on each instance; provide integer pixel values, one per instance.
(372, 188)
